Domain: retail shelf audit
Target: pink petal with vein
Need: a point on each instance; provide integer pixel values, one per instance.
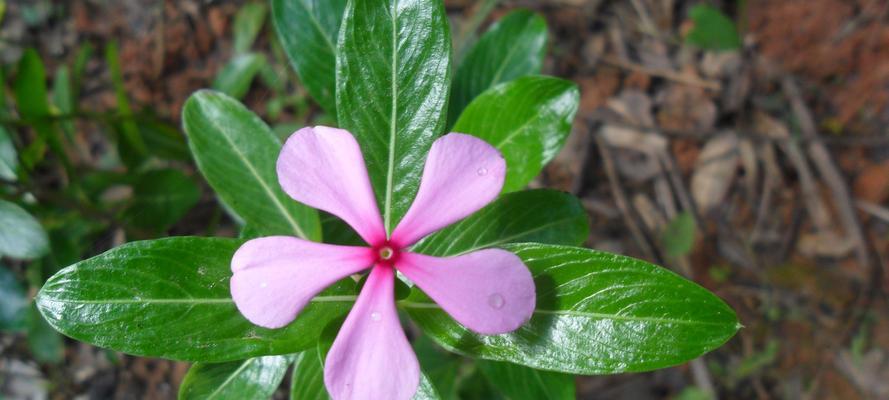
(275, 277)
(488, 291)
(323, 167)
(462, 174)
(371, 357)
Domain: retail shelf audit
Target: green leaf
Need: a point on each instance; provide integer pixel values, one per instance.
(426, 391)
(441, 367)
(170, 298)
(307, 381)
(337, 231)
(161, 198)
(679, 236)
(712, 29)
(132, 148)
(513, 47)
(597, 313)
(248, 23)
(237, 152)
(21, 236)
(163, 140)
(236, 77)
(253, 378)
(46, 345)
(308, 32)
(517, 382)
(8, 158)
(13, 301)
(393, 72)
(30, 87)
(527, 119)
(62, 97)
(84, 53)
(33, 104)
(542, 216)
(61, 91)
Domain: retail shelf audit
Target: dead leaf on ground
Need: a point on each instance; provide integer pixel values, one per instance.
(715, 171)
(686, 108)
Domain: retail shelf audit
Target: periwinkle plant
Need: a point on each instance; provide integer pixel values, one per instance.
(487, 270)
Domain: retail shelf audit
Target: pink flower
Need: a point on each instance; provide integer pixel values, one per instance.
(489, 291)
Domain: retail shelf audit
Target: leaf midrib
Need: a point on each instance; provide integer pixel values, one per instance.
(227, 300)
(299, 232)
(231, 377)
(317, 26)
(575, 313)
(403, 303)
(392, 119)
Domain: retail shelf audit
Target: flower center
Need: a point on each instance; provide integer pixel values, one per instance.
(386, 253)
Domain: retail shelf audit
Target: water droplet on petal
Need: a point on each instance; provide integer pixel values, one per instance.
(482, 171)
(375, 316)
(496, 301)
(263, 284)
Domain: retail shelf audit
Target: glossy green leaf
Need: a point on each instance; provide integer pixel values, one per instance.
(513, 47)
(542, 216)
(170, 298)
(237, 75)
(253, 378)
(308, 32)
(13, 301)
(442, 368)
(237, 152)
(517, 382)
(426, 391)
(8, 158)
(679, 237)
(307, 381)
(597, 313)
(21, 236)
(712, 29)
(393, 72)
(161, 198)
(527, 119)
(248, 23)
(46, 345)
(337, 231)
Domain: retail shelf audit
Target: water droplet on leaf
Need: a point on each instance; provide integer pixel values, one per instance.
(375, 316)
(482, 171)
(496, 301)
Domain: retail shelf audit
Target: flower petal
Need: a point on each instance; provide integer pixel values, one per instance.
(371, 357)
(462, 174)
(323, 167)
(488, 291)
(275, 277)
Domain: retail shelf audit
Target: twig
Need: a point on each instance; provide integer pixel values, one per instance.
(828, 170)
(620, 198)
(873, 209)
(663, 73)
